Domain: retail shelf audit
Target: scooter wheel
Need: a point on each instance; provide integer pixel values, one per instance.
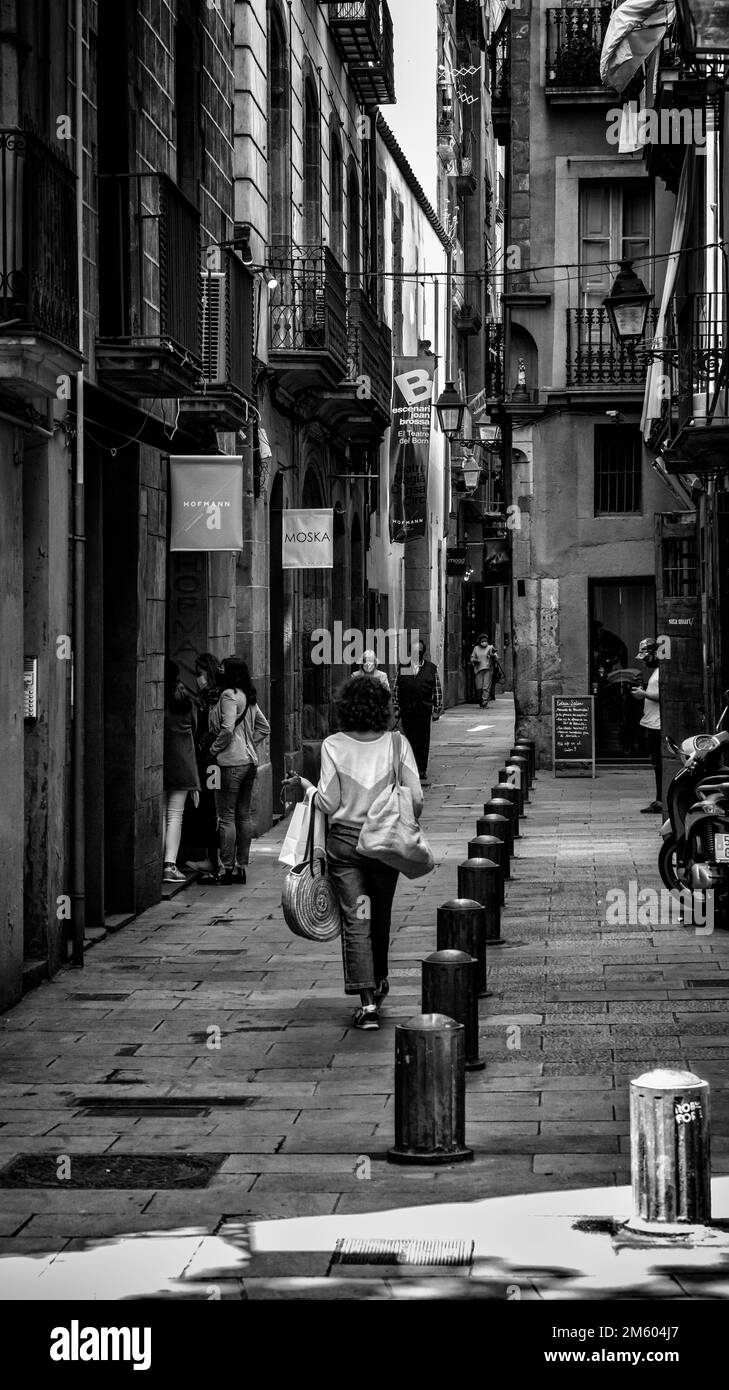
(674, 873)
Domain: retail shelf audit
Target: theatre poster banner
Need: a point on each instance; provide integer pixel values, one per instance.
(412, 395)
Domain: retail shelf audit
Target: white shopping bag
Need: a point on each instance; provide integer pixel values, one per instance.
(293, 848)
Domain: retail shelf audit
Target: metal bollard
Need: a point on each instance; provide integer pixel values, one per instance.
(490, 847)
(430, 1091)
(528, 746)
(500, 826)
(670, 1159)
(499, 806)
(479, 879)
(450, 987)
(462, 927)
(521, 762)
(519, 751)
(511, 776)
(512, 794)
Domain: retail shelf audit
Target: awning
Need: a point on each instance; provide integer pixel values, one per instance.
(635, 30)
(659, 370)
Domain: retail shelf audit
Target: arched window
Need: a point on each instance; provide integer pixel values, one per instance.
(312, 167)
(353, 221)
(336, 196)
(279, 136)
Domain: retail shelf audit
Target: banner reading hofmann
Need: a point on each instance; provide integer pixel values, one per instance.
(307, 539)
(206, 502)
(412, 393)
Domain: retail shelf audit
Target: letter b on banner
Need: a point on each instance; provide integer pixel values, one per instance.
(415, 386)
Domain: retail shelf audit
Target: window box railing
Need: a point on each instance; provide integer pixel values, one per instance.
(574, 43)
(308, 314)
(38, 266)
(595, 359)
(149, 284)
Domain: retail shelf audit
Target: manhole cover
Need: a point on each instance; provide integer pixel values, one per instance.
(403, 1252)
(112, 1170)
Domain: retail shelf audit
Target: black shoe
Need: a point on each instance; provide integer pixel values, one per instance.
(654, 807)
(239, 875)
(365, 1017)
(225, 878)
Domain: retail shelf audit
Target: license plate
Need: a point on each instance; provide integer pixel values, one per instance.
(721, 849)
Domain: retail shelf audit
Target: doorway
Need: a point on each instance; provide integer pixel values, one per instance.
(621, 613)
(277, 701)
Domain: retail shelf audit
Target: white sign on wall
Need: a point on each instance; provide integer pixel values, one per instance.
(307, 539)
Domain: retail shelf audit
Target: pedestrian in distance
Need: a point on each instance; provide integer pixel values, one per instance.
(370, 667)
(418, 701)
(179, 768)
(207, 679)
(651, 721)
(357, 763)
(483, 660)
(240, 727)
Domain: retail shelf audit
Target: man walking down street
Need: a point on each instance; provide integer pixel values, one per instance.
(418, 701)
(651, 720)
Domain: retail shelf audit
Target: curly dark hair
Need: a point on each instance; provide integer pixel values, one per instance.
(363, 706)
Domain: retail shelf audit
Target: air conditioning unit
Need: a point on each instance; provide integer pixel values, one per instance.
(213, 327)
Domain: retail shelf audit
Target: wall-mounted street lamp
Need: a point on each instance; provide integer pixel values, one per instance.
(627, 305)
(471, 469)
(450, 410)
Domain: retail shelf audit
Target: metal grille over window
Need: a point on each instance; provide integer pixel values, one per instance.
(679, 567)
(618, 464)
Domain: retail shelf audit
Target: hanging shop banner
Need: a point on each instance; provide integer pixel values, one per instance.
(307, 539)
(456, 561)
(412, 395)
(496, 562)
(206, 502)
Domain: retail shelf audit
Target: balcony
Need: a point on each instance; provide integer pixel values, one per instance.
(700, 443)
(494, 361)
(38, 277)
(595, 360)
(677, 114)
(149, 287)
(225, 348)
(468, 320)
(308, 321)
(468, 20)
(356, 27)
(574, 44)
(500, 63)
(465, 176)
(358, 410)
(374, 78)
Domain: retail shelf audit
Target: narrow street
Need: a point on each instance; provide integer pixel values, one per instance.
(205, 1029)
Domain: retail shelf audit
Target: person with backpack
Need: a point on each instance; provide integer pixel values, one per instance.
(240, 727)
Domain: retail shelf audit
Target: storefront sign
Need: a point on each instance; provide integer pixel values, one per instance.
(412, 394)
(307, 539)
(573, 730)
(206, 502)
(496, 562)
(457, 561)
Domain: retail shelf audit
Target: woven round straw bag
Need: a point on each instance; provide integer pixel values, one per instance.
(310, 905)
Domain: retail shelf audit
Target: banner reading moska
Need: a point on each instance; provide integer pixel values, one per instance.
(206, 502)
(412, 394)
(307, 539)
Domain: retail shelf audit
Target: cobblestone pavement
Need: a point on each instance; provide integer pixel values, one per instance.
(296, 1108)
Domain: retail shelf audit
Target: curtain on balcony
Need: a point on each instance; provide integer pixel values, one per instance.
(655, 394)
(636, 28)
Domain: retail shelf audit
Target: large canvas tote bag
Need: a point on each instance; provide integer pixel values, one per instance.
(391, 832)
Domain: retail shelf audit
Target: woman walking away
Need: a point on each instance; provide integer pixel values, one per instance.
(207, 678)
(482, 659)
(357, 763)
(240, 726)
(179, 767)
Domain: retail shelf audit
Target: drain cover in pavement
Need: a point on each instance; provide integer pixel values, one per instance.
(111, 1170)
(159, 1105)
(403, 1252)
(711, 982)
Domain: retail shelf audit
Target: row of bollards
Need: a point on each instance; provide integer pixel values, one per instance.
(669, 1110)
(434, 1051)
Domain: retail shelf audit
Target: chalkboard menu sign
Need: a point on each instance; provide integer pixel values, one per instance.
(573, 730)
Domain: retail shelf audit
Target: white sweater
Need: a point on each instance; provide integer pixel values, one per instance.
(354, 771)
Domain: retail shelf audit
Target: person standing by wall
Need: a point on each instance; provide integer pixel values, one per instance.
(482, 660)
(418, 700)
(651, 721)
(241, 726)
(179, 767)
(207, 678)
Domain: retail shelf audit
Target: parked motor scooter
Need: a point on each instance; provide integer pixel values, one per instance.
(695, 850)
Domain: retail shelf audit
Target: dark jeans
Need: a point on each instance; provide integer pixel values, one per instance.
(416, 728)
(653, 739)
(233, 805)
(365, 889)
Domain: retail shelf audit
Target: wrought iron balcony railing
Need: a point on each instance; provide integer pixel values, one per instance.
(38, 274)
(357, 27)
(369, 345)
(374, 81)
(500, 75)
(308, 314)
(594, 358)
(149, 273)
(574, 43)
(701, 359)
(494, 360)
